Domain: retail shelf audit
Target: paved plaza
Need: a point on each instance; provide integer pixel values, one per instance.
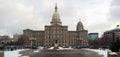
(60, 53)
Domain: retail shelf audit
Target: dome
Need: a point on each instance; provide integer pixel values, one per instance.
(80, 26)
(80, 23)
(56, 18)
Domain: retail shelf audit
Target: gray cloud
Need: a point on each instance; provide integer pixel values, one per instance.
(15, 16)
(114, 14)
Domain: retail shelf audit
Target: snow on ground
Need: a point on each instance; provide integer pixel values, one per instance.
(51, 48)
(61, 48)
(39, 48)
(113, 53)
(14, 53)
(100, 51)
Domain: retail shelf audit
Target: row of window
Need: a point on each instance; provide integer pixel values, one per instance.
(54, 32)
(51, 28)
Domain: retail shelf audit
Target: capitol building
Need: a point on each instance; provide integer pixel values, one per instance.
(57, 33)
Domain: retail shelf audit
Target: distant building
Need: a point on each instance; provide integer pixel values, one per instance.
(93, 36)
(111, 35)
(16, 37)
(107, 37)
(19, 39)
(56, 33)
(5, 39)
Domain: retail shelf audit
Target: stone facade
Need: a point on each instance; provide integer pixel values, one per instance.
(39, 35)
(56, 33)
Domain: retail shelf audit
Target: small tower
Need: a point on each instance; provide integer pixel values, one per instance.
(82, 34)
(56, 17)
(80, 26)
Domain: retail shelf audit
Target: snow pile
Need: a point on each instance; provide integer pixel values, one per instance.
(14, 53)
(113, 53)
(61, 48)
(51, 48)
(39, 48)
(100, 51)
(36, 51)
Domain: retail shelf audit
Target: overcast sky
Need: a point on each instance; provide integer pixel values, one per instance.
(96, 15)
